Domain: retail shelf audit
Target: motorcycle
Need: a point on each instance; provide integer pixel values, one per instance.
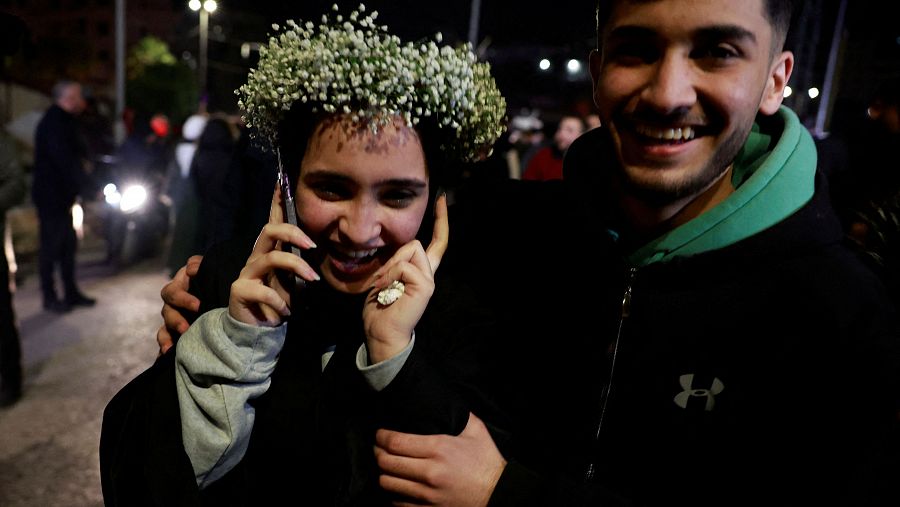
(137, 215)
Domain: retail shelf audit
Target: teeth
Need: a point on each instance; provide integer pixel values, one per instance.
(355, 254)
(675, 134)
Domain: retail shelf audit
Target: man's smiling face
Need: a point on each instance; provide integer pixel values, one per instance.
(679, 83)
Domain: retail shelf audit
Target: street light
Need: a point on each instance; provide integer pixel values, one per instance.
(206, 8)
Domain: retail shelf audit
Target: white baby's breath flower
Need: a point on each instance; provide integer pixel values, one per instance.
(350, 65)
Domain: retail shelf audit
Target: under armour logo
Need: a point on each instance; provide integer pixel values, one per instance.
(686, 382)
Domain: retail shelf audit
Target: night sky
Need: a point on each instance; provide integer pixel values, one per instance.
(512, 35)
(504, 21)
(515, 34)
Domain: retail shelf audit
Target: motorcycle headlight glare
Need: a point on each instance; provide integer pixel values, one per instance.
(133, 198)
(111, 194)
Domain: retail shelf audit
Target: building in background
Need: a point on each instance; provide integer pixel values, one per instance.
(76, 38)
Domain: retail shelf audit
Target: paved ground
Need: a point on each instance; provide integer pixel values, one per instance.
(74, 364)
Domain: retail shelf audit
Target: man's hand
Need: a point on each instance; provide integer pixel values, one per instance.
(443, 470)
(175, 298)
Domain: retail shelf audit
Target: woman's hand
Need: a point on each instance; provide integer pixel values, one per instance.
(389, 328)
(257, 297)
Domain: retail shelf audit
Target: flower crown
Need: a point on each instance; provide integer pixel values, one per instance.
(351, 66)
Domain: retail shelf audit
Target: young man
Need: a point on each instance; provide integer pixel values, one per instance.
(737, 352)
(730, 350)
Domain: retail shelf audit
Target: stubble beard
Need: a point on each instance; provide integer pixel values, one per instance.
(658, 193)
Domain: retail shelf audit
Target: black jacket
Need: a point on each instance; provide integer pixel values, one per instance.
(58, 154)
(763, 373)
(313, 435)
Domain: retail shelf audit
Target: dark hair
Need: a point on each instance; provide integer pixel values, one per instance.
(294, 132)
(779, 13)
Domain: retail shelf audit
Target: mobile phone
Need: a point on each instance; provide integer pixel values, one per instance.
(290, 216)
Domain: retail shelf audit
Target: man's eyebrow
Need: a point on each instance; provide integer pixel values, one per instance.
(714, 32)
(726, 32)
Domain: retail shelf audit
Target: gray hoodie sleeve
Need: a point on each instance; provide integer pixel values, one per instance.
(220, 365)
(379, 375)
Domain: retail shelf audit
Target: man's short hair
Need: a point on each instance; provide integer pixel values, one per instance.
(778, 12)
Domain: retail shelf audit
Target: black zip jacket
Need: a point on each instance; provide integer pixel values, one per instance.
(763, 373)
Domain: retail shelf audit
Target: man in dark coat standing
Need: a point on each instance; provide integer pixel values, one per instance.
(58, 177)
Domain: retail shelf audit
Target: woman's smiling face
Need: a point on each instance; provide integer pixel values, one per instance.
(360, 196)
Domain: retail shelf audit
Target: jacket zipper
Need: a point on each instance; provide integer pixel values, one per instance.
(604, 396)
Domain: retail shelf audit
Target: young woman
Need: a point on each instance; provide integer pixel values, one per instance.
(279, 390)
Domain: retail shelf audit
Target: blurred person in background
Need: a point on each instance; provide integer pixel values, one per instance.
(859, 156)
(12, 190)
(526, 135)
(209, 170)
(873, 213)
(183, 194)
(59, 177)
(547, 163)
(240, 208)
(145, 151)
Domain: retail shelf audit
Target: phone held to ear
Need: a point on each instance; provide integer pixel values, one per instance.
(290, 216)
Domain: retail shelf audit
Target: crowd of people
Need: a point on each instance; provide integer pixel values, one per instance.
(678, 301)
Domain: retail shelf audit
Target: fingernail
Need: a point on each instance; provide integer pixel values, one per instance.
(302, 241)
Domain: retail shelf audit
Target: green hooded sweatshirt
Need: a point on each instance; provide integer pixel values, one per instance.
(773, 177)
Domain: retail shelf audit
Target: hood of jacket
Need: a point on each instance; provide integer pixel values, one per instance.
(773, 176)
